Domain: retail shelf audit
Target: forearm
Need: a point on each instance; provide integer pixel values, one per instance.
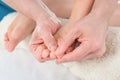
(103, 9)
(81, 8)
(32, 8)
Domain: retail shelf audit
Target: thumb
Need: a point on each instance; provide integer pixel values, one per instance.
(65, 43)
(49, 40)
(77, 54)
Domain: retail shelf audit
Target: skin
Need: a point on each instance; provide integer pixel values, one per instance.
(62, 8)
(42, 53)
(86, 32)
(113, 21)
(16, 30)
(75, 12)
(11, 41)
(46, 21)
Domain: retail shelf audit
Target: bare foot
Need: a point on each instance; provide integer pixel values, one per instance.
(20, 28)
(42, 53)
(39, 47)
(43, 36)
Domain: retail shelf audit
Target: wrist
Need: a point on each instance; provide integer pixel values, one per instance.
(98, 21)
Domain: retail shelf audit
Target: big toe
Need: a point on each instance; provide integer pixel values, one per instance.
(11, 44)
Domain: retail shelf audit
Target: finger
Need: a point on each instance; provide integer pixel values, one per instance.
(65, 43)
(74, 45)
(77, 54)
(49, 41)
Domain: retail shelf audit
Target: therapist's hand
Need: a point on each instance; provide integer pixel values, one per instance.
(90, 32)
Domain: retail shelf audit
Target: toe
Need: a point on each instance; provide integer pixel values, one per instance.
(45, 54)
(52, 56)
(35, 42)
(33, 48)
(11, 44)
(38, 53)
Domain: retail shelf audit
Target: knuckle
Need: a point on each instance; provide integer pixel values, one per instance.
(75, 34)
(101, 52)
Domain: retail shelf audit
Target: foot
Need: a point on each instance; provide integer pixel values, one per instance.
(42, 53)
(20, 28)
(42, 40)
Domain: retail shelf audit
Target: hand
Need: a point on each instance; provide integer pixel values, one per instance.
(90, 32)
